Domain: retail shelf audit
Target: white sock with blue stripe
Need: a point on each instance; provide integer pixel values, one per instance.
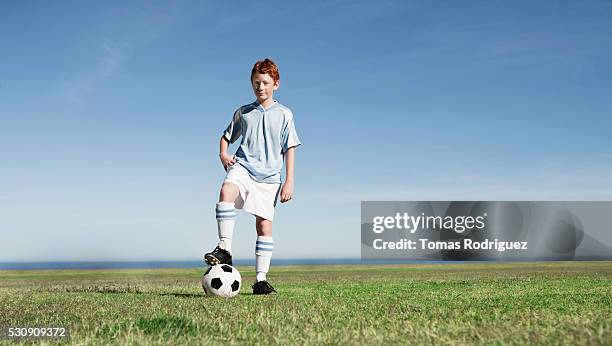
(226, 218)
(263, 255)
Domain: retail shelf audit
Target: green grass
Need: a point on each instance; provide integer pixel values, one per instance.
(484, 303)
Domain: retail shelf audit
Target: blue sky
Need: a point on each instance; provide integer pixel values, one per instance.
(111, 112)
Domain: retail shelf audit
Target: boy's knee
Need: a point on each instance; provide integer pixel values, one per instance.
(229, 192)
(264, 226)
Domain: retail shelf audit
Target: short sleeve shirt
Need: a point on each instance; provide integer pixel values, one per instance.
(266, 135)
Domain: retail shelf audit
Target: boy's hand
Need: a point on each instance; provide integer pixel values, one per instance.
(227, 161)
(287, 192)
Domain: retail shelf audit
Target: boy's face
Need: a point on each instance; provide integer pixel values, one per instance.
(263, 87)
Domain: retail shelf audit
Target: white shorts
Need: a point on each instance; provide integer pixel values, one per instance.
(255, 198)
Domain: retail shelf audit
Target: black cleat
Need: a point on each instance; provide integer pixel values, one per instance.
(263, 287)
(218, 256)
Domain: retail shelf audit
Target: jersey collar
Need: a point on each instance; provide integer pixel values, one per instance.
(261, 108)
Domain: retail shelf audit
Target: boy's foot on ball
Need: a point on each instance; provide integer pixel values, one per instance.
(218, 256)
(263, 287)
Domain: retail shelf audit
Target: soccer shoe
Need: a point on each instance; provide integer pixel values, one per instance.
(218, 256)
(263, 287)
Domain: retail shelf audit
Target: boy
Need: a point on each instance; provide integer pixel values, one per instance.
(253, 179)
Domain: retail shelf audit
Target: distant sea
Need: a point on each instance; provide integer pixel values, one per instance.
(239, 262)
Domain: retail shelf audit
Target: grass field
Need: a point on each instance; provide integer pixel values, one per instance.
(501, 303)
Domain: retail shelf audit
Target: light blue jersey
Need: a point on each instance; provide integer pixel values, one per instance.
(266, 135)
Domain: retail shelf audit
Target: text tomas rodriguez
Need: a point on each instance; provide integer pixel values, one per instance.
(466, 244)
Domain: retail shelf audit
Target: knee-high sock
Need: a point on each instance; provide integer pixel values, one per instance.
(263, 255)
(226, 218)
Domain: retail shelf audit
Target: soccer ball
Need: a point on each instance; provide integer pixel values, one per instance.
(222, 280)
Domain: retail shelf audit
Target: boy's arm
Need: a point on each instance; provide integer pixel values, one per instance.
(226, 159)
(287, 190)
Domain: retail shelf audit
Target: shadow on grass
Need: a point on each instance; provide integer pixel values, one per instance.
(202, 295)
(128, 290)
(191, 295)
(183, 295)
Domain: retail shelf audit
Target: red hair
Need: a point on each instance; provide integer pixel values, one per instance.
(266, 66)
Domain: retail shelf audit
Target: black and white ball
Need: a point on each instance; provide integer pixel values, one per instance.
(222, 280)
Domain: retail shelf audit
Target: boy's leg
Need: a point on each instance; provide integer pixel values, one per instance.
(226, 215)
(226, 219)
(263, 252)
